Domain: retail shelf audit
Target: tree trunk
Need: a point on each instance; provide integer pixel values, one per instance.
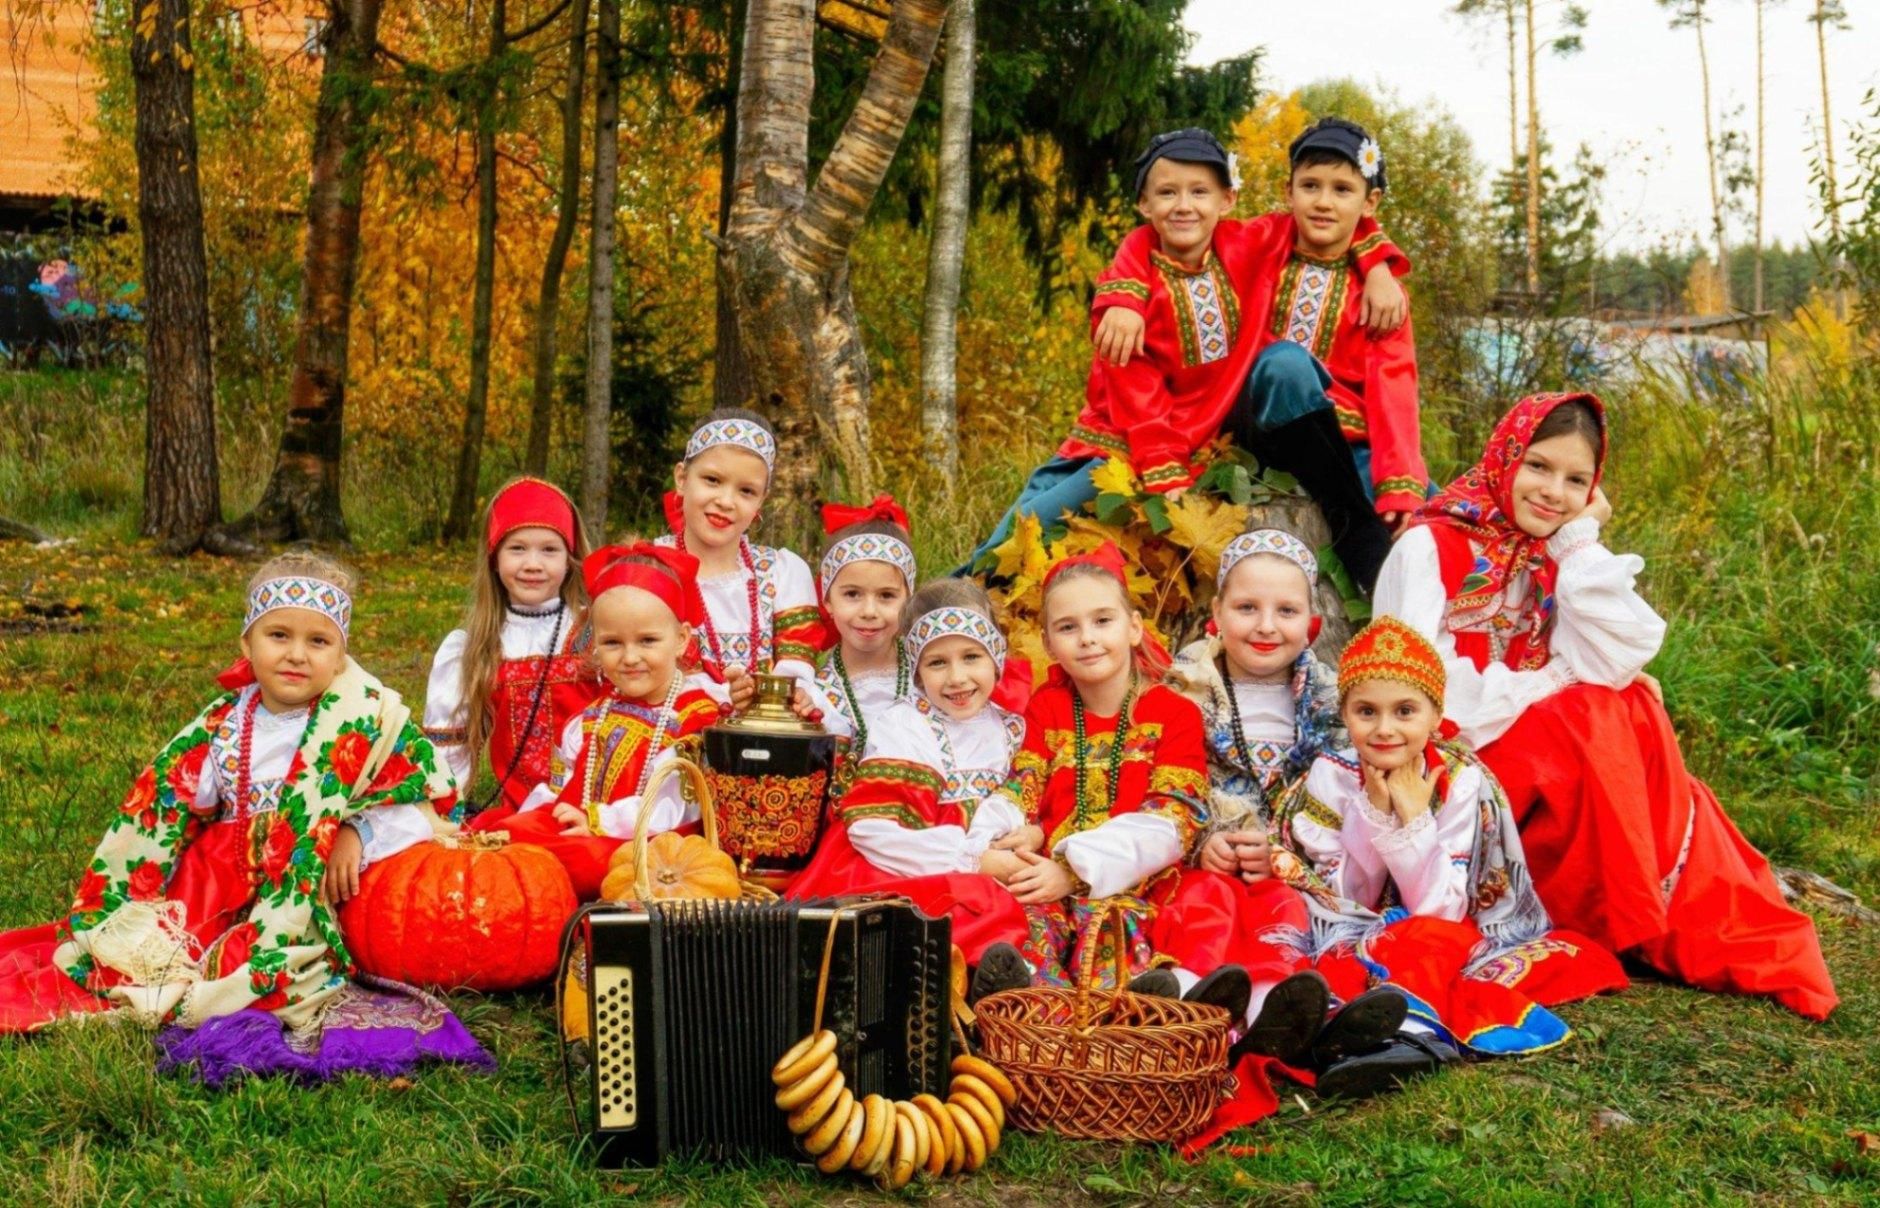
(784, 257)
(600, 325)
(182, 486)
(1760, 126)
(1827, 123)
(946, 253)
(301, 501)
(463, 499)
(1514, 90)
(1710, 153)
(731, 377)
(1533, 163)
(567, 218)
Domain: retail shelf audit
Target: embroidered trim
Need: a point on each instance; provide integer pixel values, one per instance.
(739, 433)
(1401, 484)
(299, 591)
(1168, 471)
(1350, 421)
(1207, 313)
(1138, 290)
(1312, 297)
(868, 547)
(1269, 541)
(1085, 434)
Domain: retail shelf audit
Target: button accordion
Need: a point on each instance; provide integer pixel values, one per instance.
(690, 1004)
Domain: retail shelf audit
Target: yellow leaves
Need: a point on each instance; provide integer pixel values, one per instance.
(1115, 477)
(1205, 525)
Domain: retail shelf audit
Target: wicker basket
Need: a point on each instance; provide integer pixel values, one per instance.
(1129, 1067)
(679, 765)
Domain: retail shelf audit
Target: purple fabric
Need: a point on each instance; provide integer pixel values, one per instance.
(383, 1029)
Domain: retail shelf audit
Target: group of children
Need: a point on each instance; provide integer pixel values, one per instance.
(1376, 868)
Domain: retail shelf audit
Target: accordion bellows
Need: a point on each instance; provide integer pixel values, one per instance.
(691, 1003)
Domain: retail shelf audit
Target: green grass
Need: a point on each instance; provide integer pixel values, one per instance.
(1769, 670)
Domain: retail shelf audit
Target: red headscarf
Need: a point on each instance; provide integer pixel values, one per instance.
(674, 581)
(1480, 504)
(530, 503)
(838, 516)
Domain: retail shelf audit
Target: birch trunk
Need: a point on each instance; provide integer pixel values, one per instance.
(600, 325)
(1533, 162)
(567, 218)
(1710, 154)
(463, 499)
(1760, 127)
(946, 253)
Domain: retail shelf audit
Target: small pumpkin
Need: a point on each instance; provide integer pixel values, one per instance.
(468, 911)
(677, 866)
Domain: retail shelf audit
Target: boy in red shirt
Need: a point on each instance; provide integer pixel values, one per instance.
(1256, 328)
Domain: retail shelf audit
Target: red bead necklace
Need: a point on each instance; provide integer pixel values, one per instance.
(711, 630)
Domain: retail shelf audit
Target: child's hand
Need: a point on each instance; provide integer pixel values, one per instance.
(573, 819)
(1024, 838)
(1219, 855)
(1254, 853)
(1597, 506)
(1652, 686)
(741, 684)
(1001, 866)
(1040, 882)
(1119, 335)
(1412, 791)
(803, 706)
(1375, 790)
(1384, 305)
(341, 882)
(1397, 522)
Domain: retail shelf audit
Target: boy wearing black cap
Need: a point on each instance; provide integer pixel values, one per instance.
(1195, 281)
(1327, 398)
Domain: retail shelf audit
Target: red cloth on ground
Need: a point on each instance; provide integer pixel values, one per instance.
(1251, 1098)
(33, 991)
(1605, 806)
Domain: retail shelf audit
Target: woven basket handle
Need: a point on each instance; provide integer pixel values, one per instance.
(1117, 916)
(707, 812)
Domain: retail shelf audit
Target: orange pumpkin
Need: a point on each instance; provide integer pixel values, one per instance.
(471, 912)
(677, 866)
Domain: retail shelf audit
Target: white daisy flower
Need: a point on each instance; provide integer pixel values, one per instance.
(1233, 170)
(1370, 158)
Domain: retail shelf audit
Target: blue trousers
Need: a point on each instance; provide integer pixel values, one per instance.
(1286, 383)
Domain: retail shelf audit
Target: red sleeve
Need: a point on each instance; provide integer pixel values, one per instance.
(1140, 408)
(1390, 420)
(1370, 247)
(1125, 282)
(898, 790)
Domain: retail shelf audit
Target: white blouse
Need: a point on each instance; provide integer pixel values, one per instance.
(785, 584)
(874, 692)
(1359, 851)
(973, 757)
(1603, 633)
(527, 633)
(383, 830)
(1122, 852)
(618, 817)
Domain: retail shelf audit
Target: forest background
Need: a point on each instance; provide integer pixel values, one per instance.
(1752, 502)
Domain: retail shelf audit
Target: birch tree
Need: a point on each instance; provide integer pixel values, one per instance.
(946, 253)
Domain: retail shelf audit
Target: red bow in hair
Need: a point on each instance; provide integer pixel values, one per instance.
(673, 504)
(1105, 557)
(674, 580)
(838, 516)
(1013, 691)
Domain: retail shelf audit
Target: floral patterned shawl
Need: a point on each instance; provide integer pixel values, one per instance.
(122, 940)
(1480, 504)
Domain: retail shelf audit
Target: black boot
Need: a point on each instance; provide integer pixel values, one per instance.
(1289, 1020)
(1001, 967)
(1313, 450)
(1157, 982)
(1228, 988)
(1404, 1056)
(1361, 1024)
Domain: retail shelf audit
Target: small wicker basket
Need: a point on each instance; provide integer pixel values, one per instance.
(1132, 1067)
(679, 765)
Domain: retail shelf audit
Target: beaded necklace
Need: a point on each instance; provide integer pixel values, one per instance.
(1238, 728)
(848, 688)
(711, 630)
(590, 785)
(245, 759)
(535, 705)
(1081, 815)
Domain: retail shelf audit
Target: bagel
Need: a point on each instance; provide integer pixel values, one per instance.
(818, 1139)
(988, 1073)
(797, 1093)
(804, 1056)
(972, 1140)
(812, 1113)
(837, 1155)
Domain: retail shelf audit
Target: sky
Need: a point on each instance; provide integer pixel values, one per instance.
(1633, 93)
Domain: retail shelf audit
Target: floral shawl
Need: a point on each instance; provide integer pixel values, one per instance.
(1480, 504)
(122, 940)
(1237, 797)
(1503, 903)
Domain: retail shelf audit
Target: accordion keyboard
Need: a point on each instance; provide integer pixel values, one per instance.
(618, 1082)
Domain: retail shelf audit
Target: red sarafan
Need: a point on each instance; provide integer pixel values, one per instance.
(478, 916)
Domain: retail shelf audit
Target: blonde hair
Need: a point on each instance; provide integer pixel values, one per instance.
(1152, 662)
(483, 628)
(306, 564)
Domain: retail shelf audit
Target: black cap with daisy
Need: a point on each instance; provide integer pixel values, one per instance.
(1340, 139)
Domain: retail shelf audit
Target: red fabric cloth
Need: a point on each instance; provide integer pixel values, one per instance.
(1168, 403)
(586, 857)
(1197, 920)
(673, 580)
(1251, 1098)
(33, 991)
(531, 503)
(1481, 546)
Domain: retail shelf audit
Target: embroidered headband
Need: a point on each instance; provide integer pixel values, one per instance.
(1105, 557)
(530, 503)
(743, 434)
(1388, 649)
(1268, 541)
(673, 580)
(1348, 141)
(299, 591)
(866, 547)
(954, 621)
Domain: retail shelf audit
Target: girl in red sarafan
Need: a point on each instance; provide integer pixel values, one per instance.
(1114, 772)
(213, 889)
(645, 605)
(512, 677)
(1545, 641)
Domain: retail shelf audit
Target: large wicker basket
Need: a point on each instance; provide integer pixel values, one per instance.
(1126, 1067)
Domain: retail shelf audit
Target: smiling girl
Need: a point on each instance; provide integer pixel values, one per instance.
(868, 573)
(923, 815)
(646, 605)
(512, 677)
(760, 601)
(1545, 640)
